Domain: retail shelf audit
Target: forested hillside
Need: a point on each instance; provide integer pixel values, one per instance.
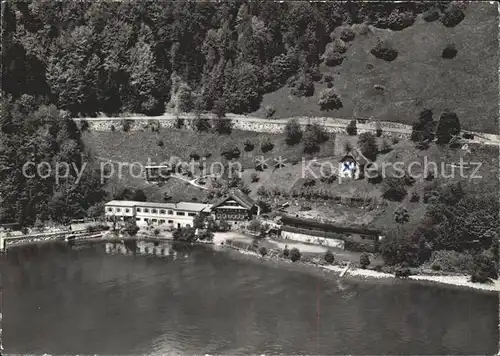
(147, 57)
(387, 60)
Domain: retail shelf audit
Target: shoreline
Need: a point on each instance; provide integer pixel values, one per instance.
(461, 281)
(220, 243)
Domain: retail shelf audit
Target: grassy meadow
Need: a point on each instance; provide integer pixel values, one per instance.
(418, 78)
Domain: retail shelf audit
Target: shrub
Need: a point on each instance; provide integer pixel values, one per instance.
(364, 30)
(179, 123)
(394, 189)
(309, 182)
(113, 129)
(263, 251)
(262, 191)
(260, 165)
(484, 268)
(364, 260)
(334, 53)
(229, 151)
(347, 35)
(347, 147)
(249, 145)
(329, 257)
(468, 135)
(223, 226)
(452, 16)
(327, 174)
(223, 126)
(131, 228)
(201, 125)
(254, 177)
(385, 147)
(423, 128)
(449, 51)
(156, 232)
(302, 85)
(401, 215)
(84, 125)
(368, 145)
(422, 145)
(314, 135)
(435, 267)
(395, 140)
(255, 225)
(402, 272)
(327, 78)
(286, 252)
(415, 197)
(126, 125)
(374, 176)
(452, 261)
(351, 128)
(194, 155)
(329, 100)
(293, 132)
(305, 208)
(266, 145)
(383, 50)
(270, 111)
(431, 15)
(408, 179)
(159, 143)
(97, 227)
(455, 142)
(399, 20)
(448, 126)
(185, 234)
(378, 129)
(295, 254)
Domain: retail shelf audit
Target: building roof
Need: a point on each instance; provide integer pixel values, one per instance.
(187, 206)
(357, 156)
(193, 206)
(123, 203)
(241, 198)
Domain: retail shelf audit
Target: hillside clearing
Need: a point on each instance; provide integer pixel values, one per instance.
(466, 84)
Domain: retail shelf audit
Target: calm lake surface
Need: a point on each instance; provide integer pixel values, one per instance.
(90, 300)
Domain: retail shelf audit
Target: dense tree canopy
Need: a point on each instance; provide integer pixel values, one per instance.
(90, 57)
(33, 144)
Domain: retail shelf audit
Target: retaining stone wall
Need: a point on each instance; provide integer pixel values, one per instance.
(242, 123)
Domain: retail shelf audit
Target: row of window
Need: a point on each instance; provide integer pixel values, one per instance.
(154, 211)
(229, 211)
(118, 210)
(232, 216)
(156, 221)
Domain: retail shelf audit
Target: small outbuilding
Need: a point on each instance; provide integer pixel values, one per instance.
(354, 164)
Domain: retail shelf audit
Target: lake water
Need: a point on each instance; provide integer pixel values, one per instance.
(89, 300)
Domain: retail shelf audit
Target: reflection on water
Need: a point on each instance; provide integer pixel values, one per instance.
(159, 298)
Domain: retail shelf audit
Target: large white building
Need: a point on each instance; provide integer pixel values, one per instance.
(171, 215)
